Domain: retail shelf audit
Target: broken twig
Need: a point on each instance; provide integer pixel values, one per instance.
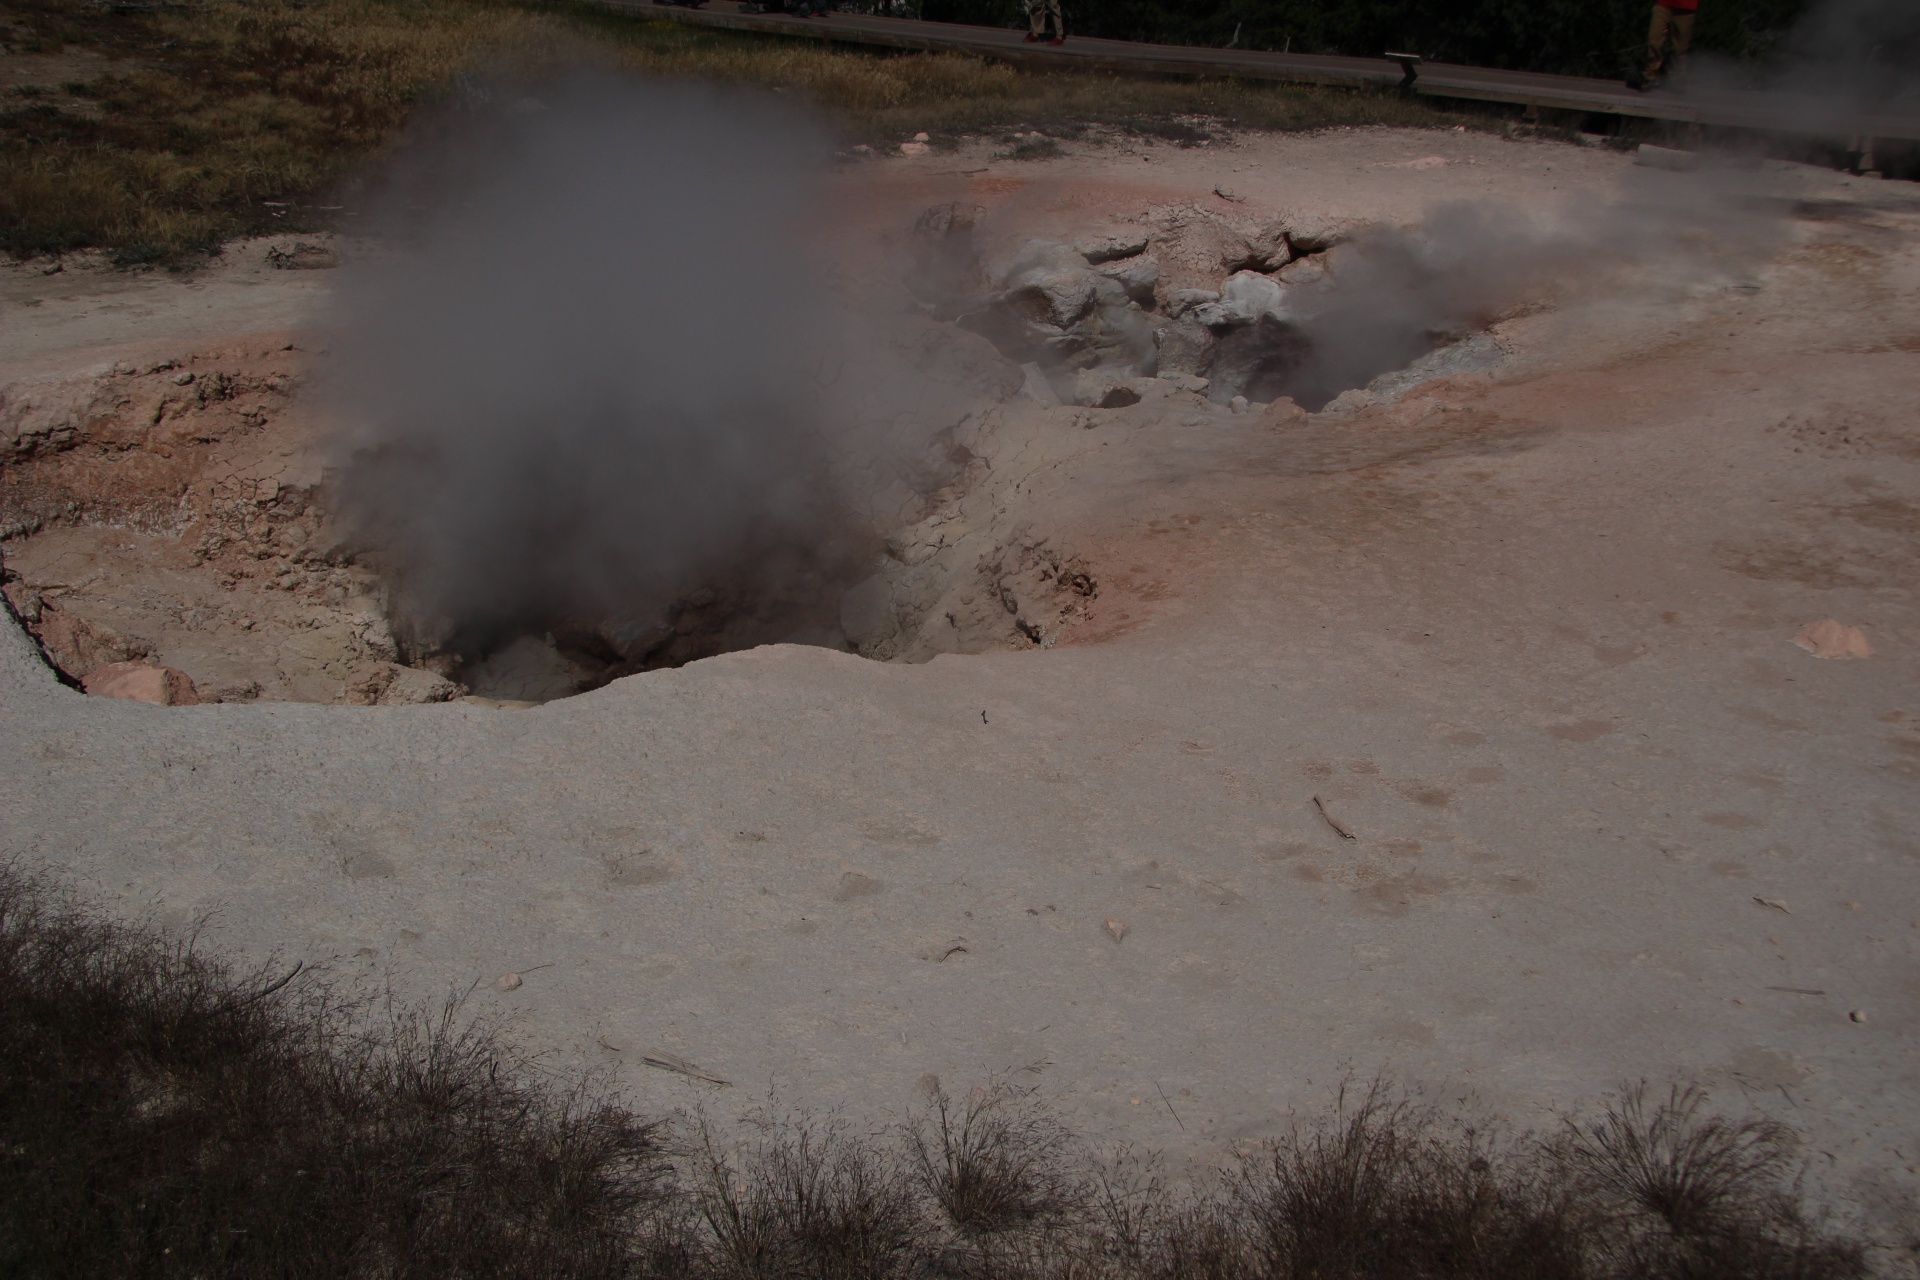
(1170, 1111)
(1339, 830)
(680, 1067)
(266, 991)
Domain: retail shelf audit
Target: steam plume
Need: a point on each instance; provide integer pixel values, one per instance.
(1394, 293)
(580, 377)
(1843, 66)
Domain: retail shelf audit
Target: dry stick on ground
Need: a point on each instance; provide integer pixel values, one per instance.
(680, 1066)
(1339, 830)
(269, 989)
(1170, 1111)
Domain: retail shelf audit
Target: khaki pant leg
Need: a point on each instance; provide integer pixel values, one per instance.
(1657, 39)
(1682, 39)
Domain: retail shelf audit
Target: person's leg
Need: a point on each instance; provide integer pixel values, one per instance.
(1656, 42)
(1682, 38)
(1036, 18)
(1059, 23)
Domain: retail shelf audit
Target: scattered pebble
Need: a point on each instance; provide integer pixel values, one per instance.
(1856, 1015)
(1118, 928)
(142, 681)
(1828, 638)
(507, 981)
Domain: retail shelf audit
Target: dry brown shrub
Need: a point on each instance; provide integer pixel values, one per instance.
(809, 1200)
(166, 1113)
(1383, 1189)
(997, 1161)
(1681, 1192)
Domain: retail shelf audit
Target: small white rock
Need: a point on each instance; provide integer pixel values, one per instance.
(507, 981)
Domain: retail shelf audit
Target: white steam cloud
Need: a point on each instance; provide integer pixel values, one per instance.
(1845, 68)
(580, 377)
(1394, 293)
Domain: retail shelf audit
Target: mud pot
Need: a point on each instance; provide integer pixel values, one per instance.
(179, 509)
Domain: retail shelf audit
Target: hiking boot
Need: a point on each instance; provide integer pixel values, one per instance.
(1058, 40)
(1032, 38)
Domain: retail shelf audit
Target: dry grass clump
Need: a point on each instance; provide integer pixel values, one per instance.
(1679, 1192)
(231, 117)
(163, 1113)
(995, 1163)
(1382, 1191)
(807, 1200)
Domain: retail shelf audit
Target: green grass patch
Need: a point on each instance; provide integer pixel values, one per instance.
(236, 117)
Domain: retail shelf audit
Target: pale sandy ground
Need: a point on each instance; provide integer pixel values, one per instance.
(1528, 642)
(71, 314)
